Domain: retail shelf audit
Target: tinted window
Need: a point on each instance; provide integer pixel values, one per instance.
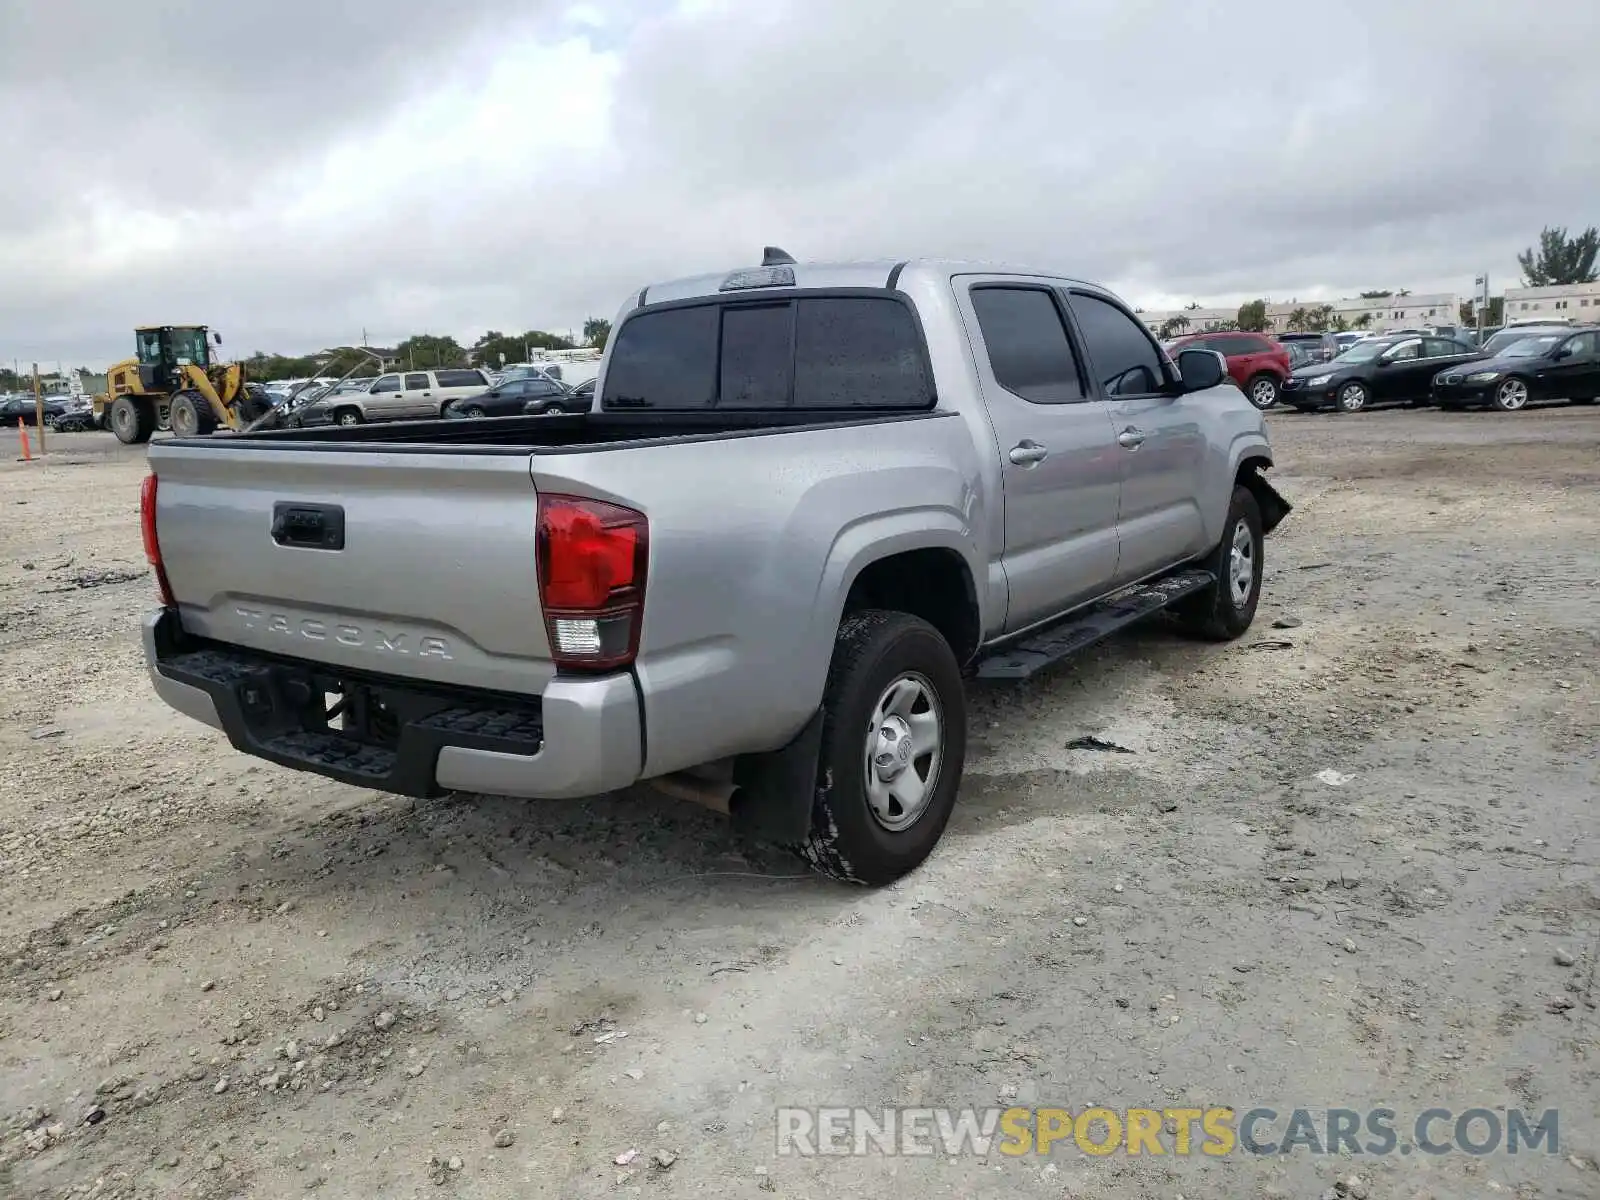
(417, 382)
(1439, 348)
(1122, 355)
(1249, 344)
(755, 357)
(1583, 345)
(857, 351)
(1027, 343)
(459, 379)
(1404, 351)
(665, 359)
(540, 387)
(389, 383)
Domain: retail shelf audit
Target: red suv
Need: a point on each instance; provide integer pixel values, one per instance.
(1258, 364)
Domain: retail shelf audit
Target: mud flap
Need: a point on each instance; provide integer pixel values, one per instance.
(1274, 508)
(776, 791)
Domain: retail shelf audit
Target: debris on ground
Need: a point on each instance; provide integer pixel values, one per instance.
(1090, 742)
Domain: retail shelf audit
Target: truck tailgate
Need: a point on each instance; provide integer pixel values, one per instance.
(419, 565)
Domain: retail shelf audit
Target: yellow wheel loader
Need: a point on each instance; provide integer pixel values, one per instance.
(172, 382)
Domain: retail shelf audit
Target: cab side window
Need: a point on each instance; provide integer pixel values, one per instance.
(1121, 352)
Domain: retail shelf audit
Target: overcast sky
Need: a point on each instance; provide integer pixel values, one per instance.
(295, 172)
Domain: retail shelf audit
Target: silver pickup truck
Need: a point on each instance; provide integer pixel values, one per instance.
(809, 501)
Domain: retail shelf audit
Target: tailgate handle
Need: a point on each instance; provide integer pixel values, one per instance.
(308, 526)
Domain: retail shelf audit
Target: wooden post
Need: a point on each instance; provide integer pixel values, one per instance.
(38, 408)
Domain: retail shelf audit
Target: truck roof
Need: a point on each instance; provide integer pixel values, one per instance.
(871, 273)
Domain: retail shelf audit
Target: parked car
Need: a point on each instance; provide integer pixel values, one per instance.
(930, 467)
(533, 393)
(76, 415)
(1255, 362)
(1512, 334)
(1384, 370)
(1324, 346)
(398, 396)
(24, 409)
(1546, 365)
(1300, 354)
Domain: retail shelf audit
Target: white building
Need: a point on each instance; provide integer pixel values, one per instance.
(1575, 302)
(1379, 314)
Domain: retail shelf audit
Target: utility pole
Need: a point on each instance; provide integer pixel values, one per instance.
(38, 407)
(1482, 283)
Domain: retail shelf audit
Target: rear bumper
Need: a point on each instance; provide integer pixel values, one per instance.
(580, 738)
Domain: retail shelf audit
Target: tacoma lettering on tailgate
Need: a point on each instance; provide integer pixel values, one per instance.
(376, 639)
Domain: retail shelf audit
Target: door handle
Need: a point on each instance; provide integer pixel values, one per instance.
(1028, 453)
(1130, 438)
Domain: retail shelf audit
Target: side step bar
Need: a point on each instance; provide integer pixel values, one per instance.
(1025, 659)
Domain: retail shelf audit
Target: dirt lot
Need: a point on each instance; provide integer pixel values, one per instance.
(259, 983)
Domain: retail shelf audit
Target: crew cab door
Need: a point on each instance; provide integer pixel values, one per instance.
(1160, 439)
(417, 400)
(1058, 457)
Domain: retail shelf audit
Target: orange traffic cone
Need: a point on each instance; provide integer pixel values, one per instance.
(22, 432)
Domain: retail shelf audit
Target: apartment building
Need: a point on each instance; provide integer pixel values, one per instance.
(1576, 302)
(1378, 314)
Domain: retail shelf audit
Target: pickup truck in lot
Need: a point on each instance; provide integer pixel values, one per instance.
(809, 501)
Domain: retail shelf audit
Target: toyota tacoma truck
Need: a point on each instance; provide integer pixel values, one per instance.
(809, 502)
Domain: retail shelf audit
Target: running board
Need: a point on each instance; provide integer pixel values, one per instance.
(1025, 659)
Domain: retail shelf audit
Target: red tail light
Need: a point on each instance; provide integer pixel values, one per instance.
(591, 557)
(152, 544)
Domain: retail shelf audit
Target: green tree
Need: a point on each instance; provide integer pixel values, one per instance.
(1298, 321)
(494, 349)
(1378, 295)
(596, 332)
(1364, 321)
(1494, 315)
(1320, 319)
(1560, 259)
(1173, 327)
(422, 351)
(1253, 316)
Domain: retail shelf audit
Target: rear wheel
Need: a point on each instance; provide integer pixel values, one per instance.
(133, 420)
(894, 740)
(473, 411)
(347, 416)
(1511, 396)
(552, 410)
(1263, 392)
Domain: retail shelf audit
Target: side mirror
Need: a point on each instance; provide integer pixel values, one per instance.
(217, 338)
(1201, 369)
(1562, 352)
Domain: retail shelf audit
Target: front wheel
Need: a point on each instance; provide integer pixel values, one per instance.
(348, 416)
(473, 411)
(1263, 392)
(1225, 609)
(894, 741)
(189, 414)
(552, 410)
(1352, 398)
(1511, 396)
(133, 421)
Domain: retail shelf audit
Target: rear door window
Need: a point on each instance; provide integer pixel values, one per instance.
(458, 379)
(417, 382)
(1029, 351)
(810, 352)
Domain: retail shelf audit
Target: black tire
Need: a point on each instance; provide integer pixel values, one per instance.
(472, 410)
(348, 416)
(1217, 614)
(191, 415)
(1351, 397)
(1512, 395)
(132, 420)
(552, 410)
(874, 653)
(1263, 391)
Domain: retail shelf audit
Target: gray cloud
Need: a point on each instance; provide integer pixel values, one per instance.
(1200, 149)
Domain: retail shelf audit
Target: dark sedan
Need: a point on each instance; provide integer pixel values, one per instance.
(1547, 365)
(1386, 370)
(534, 393)
(23, 408)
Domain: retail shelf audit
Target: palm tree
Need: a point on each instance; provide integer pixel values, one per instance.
(1299, 321)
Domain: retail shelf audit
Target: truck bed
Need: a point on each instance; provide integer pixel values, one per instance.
(566, 434)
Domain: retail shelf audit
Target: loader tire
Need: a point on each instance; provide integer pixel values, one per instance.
(132, 420)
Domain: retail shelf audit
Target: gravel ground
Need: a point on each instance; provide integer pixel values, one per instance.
(219, 978)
